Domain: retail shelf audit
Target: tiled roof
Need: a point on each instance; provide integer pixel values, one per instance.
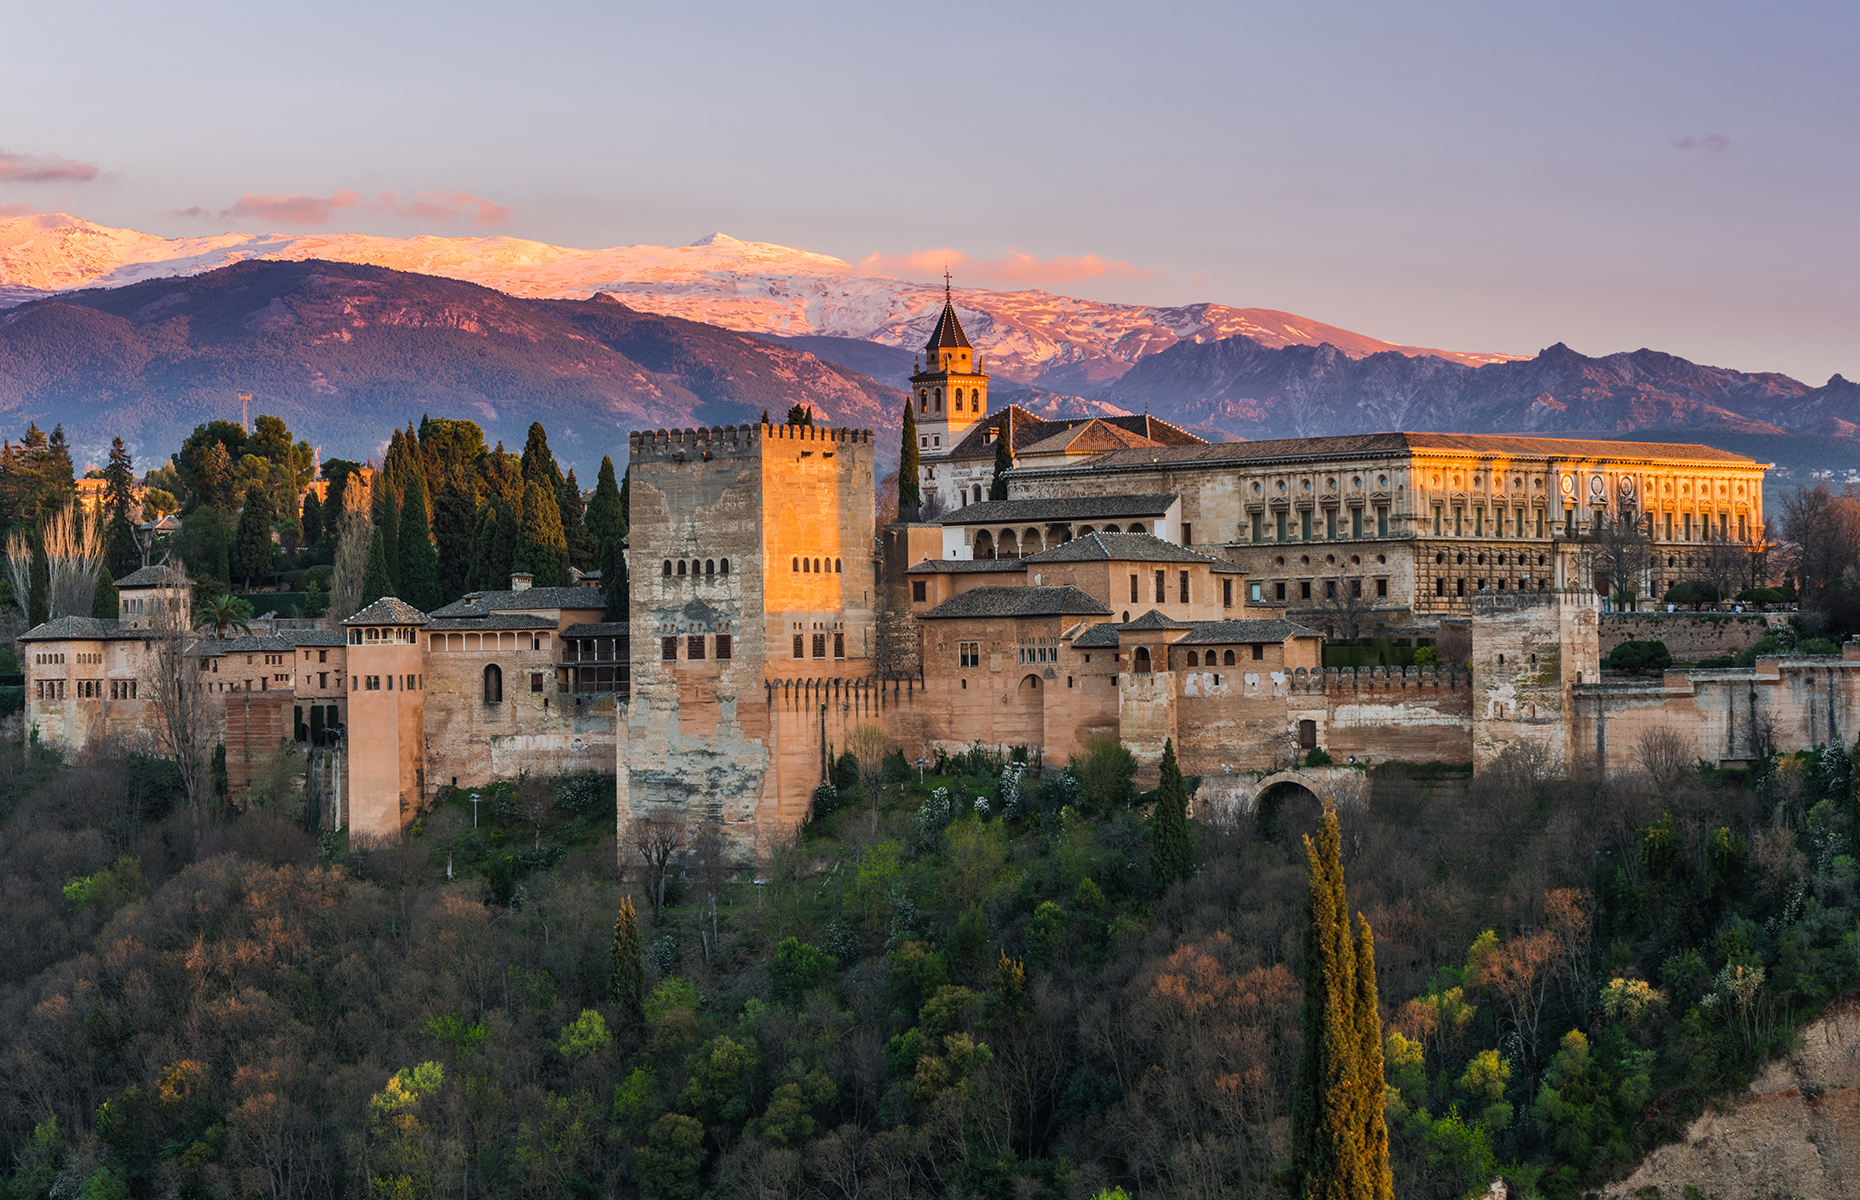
(1029, 431)
(1088, 437)
(313, 637)
(479, 604)
(1061, 508)
(159, 575)
(84, 629)
(963, 566)
(1153, 620)
(389, 610)
(1019, 602)
(1268, 630)
(1124, 547)
(1098, 635)
(1374, 444)
(948, 333)
(214, 647)
(504, 622)
(598, 629)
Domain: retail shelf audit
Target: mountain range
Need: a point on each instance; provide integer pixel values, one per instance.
(116, 332)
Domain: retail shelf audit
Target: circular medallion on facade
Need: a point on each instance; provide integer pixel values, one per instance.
(1569, 485)
(1598, 487)
(1627, 487)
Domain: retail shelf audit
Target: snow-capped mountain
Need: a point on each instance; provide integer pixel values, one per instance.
(1034, 337)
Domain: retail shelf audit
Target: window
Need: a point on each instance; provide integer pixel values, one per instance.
(1188, 534)
(681, 567)
(723, 566)
(839, 645)
(798, 653)
(1192, 661)
(820, 645)
(1436, 518)
(1254, 523)
(373, 683)
(794, 564)
(493, 684)
(1382, 522)
(1278, 591)
(1140, 661)
(969, 654)
(668, 568)
(1227, 593)
(1356, 522)
(1304, 526)
(1330, 589)
(1184, 588)
(1356, 589)
(1459, 587)
(322, 680)
(918, 591)
(1440, 587)
(1307, 735)
(1280, 518)
(668, 649)
(807, 566)
(1304, 590)
(723, 646)
(1160, 585)
(1459, 522)
(1382, 589)
(1133, 589)
(694, 647)
(836, 567)
(535, 682)
(322, 656)
(1227, 659)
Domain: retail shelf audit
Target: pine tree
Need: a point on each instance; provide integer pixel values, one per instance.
(106, 604)
(583, 548)
(614, 584)
(1004, 459)
(1339, 1136)
(801, 414)
(1172, 840)
(122, 553)
(375, 580)
(542, 551)
(629, 967)
(910, 496)
(418, 574)
(454, 529)
(605, 519)
(765, 416)
(538, 463)
(251, 552)
(310, 518)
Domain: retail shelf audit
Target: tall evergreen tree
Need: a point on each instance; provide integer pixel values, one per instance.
(1339, 1134)
(1172, 839)
(454, 522)
(251, 551)
(483, 547)
(310, 519)
(504, 546)
(1004, 457)
(418, 576)
(538, 462)
(801, 414)
(606, 517)
(615, 587)
(387, 523)
(376, 582)
(629, 968)
(910, 495)
(626, 503)
(122, 553)
(583, 548)
(106, 603)
(542, 550)
(39, 600)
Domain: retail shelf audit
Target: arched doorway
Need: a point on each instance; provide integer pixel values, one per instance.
(984, 544)
(1140, 660)
(1030, 543)
(1286, 812)
(1007, 547)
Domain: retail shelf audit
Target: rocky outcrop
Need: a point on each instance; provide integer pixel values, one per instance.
(1795, 1133)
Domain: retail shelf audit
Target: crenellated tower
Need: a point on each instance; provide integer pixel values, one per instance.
(950, 390)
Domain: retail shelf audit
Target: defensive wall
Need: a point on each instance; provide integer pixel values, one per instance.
(1690, 636)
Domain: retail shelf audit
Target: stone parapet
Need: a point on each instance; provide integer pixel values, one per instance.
(1366, 679)
(683, 444)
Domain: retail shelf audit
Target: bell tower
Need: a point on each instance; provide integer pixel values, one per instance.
(950, 390)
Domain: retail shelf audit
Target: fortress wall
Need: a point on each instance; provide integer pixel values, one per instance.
(1690, 636)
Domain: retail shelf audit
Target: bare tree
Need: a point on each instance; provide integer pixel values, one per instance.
(1615, 556)
(1822, 529)
(353, 530)
(19, 570)
(1344, 607)
(870, 745)
(713, 870)
(74, 555)
(658, 836)
(1724, 564)
(1665, 756)
(184, 717)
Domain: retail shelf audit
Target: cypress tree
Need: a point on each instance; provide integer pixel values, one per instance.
(538, 462)
(504, 546)
(626, 502)
(418, 575)
(583, 548)
(614, 584)
(375, 580)
(251, 553)
(479, 577)
(542, 551)
(107, 603)
(454, 529)
(1004, 459)
(122, 553)
(310, 519)
(629, 967)
(1172, 840)
(39, 600)
(387, 524)
(910, 496)
(605, 519)
(1339, 1136)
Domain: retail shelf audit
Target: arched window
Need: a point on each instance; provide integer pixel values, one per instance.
(1140, 661)
(493, 684)
(939, 399)
(978, 493)
(807, 566)
(1192, 660)
(923, 402)
(710, 566)
(681, 566)
(836, 567)
(668, 568)
(1227, 659)
(794, 564)
(1110, 529)
(723, 566)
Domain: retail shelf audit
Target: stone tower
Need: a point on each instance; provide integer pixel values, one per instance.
(387, 718)
(951, 394)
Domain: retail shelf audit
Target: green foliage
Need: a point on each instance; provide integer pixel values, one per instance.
(454, 524)
(606, 516)
(801, 414)
(616, 589)
(1634, 655)
(910, 495)
(310, 519)
(1426, 656)
(798, 969)
(104, 1184)
(417, 572)
(1004, 462)
(667, 1166)
(376, 580)
(627, 983)
(1106, 774)
(542, 549)
(584, 1036)
(1172, 840)
(109, 889)
(673, 994)
(1318, 757)
(722, 1081)
(251, 551)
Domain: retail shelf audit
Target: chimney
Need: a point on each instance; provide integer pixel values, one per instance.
(520, 581)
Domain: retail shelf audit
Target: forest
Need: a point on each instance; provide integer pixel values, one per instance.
(1002, 979)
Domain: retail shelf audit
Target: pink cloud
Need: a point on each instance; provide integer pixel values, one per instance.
(48, 168)
(1012, 266)
(1711, 143)
(18, 210)
(295, 208)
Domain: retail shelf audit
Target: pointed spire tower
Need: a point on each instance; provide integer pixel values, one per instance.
(950, 391)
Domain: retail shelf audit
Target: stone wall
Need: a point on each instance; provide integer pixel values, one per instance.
(1690, 636)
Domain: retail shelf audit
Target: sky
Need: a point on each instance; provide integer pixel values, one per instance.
(1490, 176)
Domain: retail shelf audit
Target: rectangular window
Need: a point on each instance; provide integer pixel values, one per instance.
(1459, 587)
(723, 646)
(1160, 586)
(694, 647)
(1540, 522)
(1743, 530)
(1133, 589)
(668, 650)
(969, 653)
(1356, 588)
(1188, 534)
(1459, 523)
(839, 645)
(1688, 529)
(1382, 522)
(1281, 520)
(1278, 591)
(919, 591)
(1259, 651)
(374, 683)
(322, 680)
(1520, 522)
(1330, 589)
(820, 645)
(1257, 589)
(1304, 590)
(797, 647)
(1440, 587)
(1256, 522)
(1382, 589)
(1724, 526)
(1356, 522)
(1478, 522)
(535, 681)
(1227, 593)
(1184, 587)
(1304, 526)
(1669, 527)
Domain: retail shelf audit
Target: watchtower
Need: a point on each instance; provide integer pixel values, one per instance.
(387, 717)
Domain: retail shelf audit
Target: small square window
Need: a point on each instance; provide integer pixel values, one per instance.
(668, 649)
(723, 646)
(694, 647)
(919, 591)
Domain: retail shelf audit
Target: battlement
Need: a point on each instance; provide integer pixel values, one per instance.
(1331, 680)
(682, 445)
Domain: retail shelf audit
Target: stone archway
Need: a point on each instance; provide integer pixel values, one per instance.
(1006, 546)
(984, 544)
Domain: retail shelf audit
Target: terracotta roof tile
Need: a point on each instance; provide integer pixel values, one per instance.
(1019, 602)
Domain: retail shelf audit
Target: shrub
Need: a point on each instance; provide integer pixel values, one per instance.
(1634, 655)
(1317, 757)
(1104, 770)
(798, 969)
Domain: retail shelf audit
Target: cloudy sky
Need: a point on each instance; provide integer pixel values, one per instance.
(1478, 176)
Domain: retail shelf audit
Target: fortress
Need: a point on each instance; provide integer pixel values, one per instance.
(1136, 583)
